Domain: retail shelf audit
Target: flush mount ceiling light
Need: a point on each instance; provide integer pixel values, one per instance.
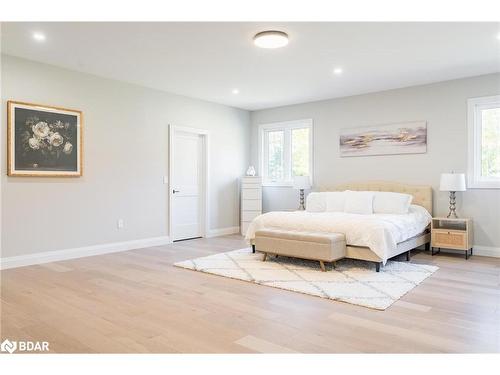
(235, 91)
(271, 39)
(337, 71)
(39, 37)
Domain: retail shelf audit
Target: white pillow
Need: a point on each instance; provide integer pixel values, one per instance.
(316, 202)
(335, 201)
(359, 202)
(391, 203)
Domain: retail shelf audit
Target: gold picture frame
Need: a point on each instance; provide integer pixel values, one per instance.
(44, 140)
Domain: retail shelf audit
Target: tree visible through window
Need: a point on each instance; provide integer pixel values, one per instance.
(300, 152)
(275, 163)
(484, 142)
(490, 142)
(286, 151)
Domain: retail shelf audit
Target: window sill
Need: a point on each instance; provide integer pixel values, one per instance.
(478, 183)
(277, 184)
(280, 185)
(484, 185)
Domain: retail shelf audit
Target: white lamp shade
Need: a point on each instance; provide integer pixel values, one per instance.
(452, 182)
(302, 182)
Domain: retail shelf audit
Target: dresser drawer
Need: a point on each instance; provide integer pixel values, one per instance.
(251, 180)
(251, 205)
(251, 193)
(251, 186)
(249, 215)
(449, 239)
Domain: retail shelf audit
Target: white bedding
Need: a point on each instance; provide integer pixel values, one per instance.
(380, 232)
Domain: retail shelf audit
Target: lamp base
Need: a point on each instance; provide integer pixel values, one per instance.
(302, 206)
(452, 214)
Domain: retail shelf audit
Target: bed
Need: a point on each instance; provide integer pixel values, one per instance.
(374, 238)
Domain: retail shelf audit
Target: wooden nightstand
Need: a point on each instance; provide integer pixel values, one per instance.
(450, 233)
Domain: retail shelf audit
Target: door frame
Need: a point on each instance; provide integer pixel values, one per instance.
(204, 175)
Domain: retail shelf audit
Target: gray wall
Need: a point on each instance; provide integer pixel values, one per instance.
(125, 159)
(126, 150)
(442, 105)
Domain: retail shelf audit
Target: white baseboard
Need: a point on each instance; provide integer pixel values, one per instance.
(222, 232)
(80, 252)
(487, 251)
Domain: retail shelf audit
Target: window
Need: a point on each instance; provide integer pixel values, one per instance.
(285, 151)
(484, 142)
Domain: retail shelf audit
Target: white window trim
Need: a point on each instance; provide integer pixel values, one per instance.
(295, 124)
(475, 180)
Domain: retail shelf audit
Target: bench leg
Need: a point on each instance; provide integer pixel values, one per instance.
(377, 266)
(265, 257)
(408, 255)
(334, 264)
(322, 266)
(253, 248)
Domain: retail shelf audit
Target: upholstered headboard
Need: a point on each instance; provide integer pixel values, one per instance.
(422, 194)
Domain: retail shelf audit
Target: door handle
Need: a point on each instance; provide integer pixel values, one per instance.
(176, 191)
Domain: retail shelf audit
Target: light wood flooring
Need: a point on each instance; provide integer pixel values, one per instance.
(137, 301)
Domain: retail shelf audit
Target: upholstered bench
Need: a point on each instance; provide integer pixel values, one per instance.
(324, 247)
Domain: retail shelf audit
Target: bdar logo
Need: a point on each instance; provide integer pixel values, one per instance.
(24, 346)
(8, 346)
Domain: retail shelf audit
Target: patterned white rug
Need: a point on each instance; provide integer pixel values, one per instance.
(352, 281)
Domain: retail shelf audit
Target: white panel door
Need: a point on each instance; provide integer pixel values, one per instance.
(186, 185)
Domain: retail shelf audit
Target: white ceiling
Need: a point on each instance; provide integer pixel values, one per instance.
(209, 60)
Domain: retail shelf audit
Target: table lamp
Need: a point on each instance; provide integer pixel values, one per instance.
(452, 182)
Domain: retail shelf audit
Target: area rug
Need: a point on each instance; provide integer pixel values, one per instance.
(352, 281)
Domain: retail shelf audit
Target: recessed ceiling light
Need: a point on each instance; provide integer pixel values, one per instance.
(235, 91)
(271, 39)
(39, 37)
(337, 71)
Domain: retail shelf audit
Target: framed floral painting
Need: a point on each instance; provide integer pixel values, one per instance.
(43, 140)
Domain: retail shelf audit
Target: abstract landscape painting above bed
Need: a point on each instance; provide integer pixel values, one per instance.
(389, 139)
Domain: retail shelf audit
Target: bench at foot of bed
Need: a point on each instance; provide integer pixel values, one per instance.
(323, 247)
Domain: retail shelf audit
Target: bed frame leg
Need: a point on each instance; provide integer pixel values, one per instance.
(253, 248)
(322, 266)
(408, 255)
(377, 266)
(265, 257)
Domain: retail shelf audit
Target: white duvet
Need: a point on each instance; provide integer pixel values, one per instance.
(380, 232)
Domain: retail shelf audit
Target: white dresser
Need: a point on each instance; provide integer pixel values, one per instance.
(251, 201)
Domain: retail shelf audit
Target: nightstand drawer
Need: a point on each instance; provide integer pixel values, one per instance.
(449, 239)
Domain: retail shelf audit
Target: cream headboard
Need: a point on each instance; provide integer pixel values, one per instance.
(422, 195)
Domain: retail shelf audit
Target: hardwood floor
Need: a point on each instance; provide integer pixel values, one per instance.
(136, 301)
